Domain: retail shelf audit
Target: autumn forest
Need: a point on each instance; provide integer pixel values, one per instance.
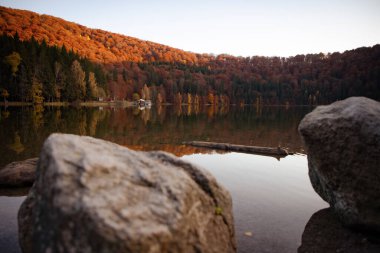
(47, 59)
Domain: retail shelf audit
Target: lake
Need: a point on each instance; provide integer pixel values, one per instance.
(272, 199)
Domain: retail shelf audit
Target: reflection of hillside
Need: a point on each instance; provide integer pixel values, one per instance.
(179, 150)
(266, 127)
(164, 128)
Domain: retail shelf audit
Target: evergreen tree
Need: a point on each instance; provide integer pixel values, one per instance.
(76, 88)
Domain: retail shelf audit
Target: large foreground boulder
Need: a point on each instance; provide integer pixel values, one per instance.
(343, 145)
(95, 196)
(21, 173)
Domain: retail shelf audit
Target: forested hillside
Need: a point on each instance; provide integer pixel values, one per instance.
(134, 68)
(34, 72)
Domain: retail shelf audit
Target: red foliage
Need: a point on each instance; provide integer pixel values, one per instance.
(171, 73)
(98, 45)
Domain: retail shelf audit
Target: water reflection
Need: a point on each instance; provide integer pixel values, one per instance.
(8, 224)
(324, 233)
(16, 146)
(23, 129)
(271, 200)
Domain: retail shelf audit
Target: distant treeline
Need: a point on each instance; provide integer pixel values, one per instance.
(132, 68)
(304, 79)
(34, 72)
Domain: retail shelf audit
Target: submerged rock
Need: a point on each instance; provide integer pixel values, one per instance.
(343, 145)
(95, 196)
(22, 173)
(324, 233)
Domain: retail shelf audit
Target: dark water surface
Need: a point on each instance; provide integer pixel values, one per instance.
(273, 200)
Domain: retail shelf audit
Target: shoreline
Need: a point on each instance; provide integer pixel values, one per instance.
(131, 104)
(87, 103)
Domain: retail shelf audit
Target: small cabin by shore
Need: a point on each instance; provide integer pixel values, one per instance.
(143, 103)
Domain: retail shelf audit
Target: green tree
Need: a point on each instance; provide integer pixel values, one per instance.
(78, 81)
(101, 92)
(13, 60)
(59, 79)
(135, 96)
(93, 86)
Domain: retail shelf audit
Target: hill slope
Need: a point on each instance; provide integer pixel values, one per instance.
(97, 45)
(136, 68)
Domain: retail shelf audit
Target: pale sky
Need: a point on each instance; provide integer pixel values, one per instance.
(237, 27)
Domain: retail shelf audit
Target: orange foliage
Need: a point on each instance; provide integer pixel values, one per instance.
(176, 76)
(109, 47)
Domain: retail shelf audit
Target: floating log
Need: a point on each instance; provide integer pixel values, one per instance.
(276, 152)
(14, 191)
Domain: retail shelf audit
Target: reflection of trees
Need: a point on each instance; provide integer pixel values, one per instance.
(17, 146)
(136, 111)
(158, 128)
(224, 109)
(24, 132)
(178, 109)
(189, 110)
(4, 114)
(324, 233)
(259, 110)
(38, 115)
(58, 115)
(82, 125)
(145, 115)
(196, 108)
(161, 113)
(94, 118)
(211, 111)
(248, 126)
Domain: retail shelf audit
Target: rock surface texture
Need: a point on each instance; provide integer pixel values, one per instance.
(95, 196)
(343, 145)
(20, 173)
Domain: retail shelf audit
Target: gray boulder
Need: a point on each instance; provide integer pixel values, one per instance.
(343, 146)
(91, 195)
(20, 173)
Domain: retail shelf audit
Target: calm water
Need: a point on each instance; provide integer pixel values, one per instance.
(272, 199)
